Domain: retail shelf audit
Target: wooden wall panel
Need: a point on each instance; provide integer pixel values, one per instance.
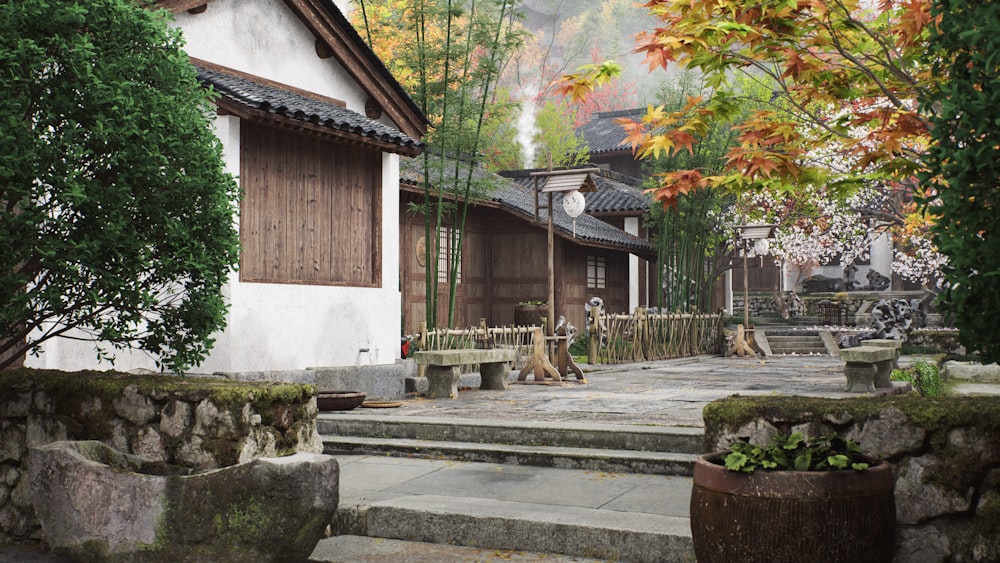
(311, 211)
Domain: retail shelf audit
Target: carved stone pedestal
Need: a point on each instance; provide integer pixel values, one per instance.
(860, 377)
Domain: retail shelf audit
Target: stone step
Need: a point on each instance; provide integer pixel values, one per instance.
(591, 459)
(364, 549)
(800, 350)
(507, 525)
(801, 344)
(527, 433)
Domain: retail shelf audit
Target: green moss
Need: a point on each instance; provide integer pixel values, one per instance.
(988, 515)
(244, 521)
(69, 388)
(930, 413)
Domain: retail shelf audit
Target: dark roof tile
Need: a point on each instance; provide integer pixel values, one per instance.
(602, 134)
(516, 194)
(296, 106)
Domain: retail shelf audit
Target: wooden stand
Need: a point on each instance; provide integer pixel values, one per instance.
(539, 365)
(545, 373)
(743, 345)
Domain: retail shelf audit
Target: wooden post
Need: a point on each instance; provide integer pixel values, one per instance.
(595, 338)
(552, 272)
(640, 346)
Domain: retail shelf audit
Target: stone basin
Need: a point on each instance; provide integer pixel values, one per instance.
(98, 504)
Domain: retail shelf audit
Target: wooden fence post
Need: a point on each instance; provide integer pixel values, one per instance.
(595, 337)
(640, 339)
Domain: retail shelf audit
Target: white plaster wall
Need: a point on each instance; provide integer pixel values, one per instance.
(264, 38)
(276, 327)
(632, 228)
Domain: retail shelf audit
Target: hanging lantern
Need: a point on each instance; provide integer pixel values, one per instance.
(573, 204)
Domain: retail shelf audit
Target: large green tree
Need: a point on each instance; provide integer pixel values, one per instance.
(963, 177)
(116, 214)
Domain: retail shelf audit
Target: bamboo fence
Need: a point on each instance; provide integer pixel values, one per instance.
(614, 338)
(643, 336)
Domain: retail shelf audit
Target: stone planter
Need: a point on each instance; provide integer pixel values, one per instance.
(792, 516)
(98, 504)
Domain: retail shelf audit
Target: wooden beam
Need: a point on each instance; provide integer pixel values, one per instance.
(317, 18)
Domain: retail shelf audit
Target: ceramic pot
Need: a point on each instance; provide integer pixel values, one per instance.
(792, 516)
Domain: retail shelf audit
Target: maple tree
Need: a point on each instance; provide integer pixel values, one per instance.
(842, 75)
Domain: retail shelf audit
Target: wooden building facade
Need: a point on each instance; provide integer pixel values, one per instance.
(504, 261)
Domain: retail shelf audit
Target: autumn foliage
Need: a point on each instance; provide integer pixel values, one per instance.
(844, 77)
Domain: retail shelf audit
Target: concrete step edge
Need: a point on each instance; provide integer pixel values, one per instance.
(608, 436)
(365, 549)
(493, 524)
(624, 461)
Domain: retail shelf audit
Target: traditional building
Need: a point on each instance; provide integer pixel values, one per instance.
(313, 125)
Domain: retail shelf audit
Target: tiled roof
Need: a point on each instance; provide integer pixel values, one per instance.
(603, 134)
(516, 195)
(296, 106)
(616, 193)
(613, 196)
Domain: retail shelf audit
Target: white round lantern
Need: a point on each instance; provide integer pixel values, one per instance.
(574, 203)
(761, 246)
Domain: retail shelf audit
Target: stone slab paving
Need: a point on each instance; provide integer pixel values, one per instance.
(668, 392)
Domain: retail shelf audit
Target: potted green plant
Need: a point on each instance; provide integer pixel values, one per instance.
(530, 313)
(793, 500)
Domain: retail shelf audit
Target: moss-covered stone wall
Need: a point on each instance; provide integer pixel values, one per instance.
(945, 454)
(198, 423)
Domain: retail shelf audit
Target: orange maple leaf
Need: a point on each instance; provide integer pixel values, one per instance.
(683, 140)
(634, 133)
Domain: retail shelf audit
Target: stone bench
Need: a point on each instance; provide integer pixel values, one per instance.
(442, 370)
(867, 367)
(886, 343)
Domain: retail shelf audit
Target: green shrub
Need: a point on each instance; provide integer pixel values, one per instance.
(924, 376)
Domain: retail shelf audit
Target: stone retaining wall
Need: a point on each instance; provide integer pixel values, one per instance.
(192, 422)
(945, 454)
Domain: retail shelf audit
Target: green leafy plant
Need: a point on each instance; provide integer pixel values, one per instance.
(925, 377)
(795, 453)
(116, 211)
(961, 165)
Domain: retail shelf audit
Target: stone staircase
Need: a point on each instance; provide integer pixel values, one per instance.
(596, 447)
(605, 449)
(797, 342)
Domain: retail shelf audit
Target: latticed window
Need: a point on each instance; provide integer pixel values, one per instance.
(596, 272)
(449, 246)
